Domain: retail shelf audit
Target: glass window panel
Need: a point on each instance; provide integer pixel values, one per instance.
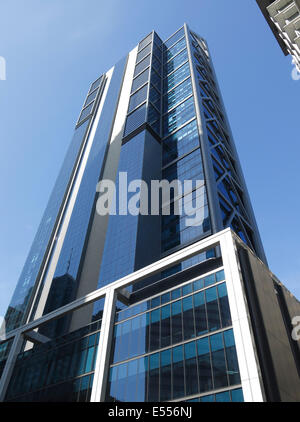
(177, 95)
(165, 376)
(223, 397)
(213, 315)
(175, 49)
(198, 285)
(153, 394)
(156, 80)
(176, 294)
(142, 65)
(178, 372)
(204, 364)
(200, 313)
(210, 398)
(188, 318)
(86, 112)
(175, 62)
(180, 143)
(172, 40)
(91, 97)
(165, 326)
(187, 289)
(138, 98)
(176, 77)
(209, 280)
(218, 361)
(145, 41)
(140, 80)
(135, 119)
(96, 84)
(143, 52)
(165, 298)
(141, 391)
(220, 275)
(224, 305)
(178, 116)
(155, 97)
(237, 395)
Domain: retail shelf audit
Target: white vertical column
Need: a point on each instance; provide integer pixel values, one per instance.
(245, 346)
(10, 363)
(104, 347)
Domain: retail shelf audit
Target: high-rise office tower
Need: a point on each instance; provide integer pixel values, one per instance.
(150, 306)
(283, 17)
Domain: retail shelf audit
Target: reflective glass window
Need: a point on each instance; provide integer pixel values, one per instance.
(142, 65)
(138, 98)
(175, 49)
(135, 119)
(177, 61)
(178, 116)
(176, 77)
(172, 40)
(140, 80)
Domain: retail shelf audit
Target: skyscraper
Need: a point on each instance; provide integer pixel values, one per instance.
(150, 306)
(283, 17)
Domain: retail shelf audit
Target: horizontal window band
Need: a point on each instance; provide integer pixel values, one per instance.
(144, 126)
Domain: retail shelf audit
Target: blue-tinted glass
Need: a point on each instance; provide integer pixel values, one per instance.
(86, 112)
(177, 95)
(155, 316)
(187, 289)
(156, 80)
(172, 40)
(165, 298)
(237, 395)
(91, 97)
(175, 49)
(64, 285)
(154, 361)
(145, 41)
(190, 350)
(210, 279)
(180, 143)
(198, 285)
(220, 276)
(165, 357)
(176, 308)
(177, 353)
(140, 80)
(144, 52)
(31, 268)
(137, 98)
(176, 77)
(96, 84)
(142, 65)
(187, 303)
(175, 62)
(155, 302)
(229, 338)
(210, 398)
(212, 309)
(135, 119)
(176, 294)
(178, 116)
(155, 97)
(223, 397)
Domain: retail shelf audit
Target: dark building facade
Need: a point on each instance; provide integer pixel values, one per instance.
(136, 307)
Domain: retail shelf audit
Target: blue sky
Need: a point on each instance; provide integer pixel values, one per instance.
(54, 49)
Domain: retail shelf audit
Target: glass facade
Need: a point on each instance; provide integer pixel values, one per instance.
(65, 280)
(59, 370)
(176, 345)
(173, 340)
